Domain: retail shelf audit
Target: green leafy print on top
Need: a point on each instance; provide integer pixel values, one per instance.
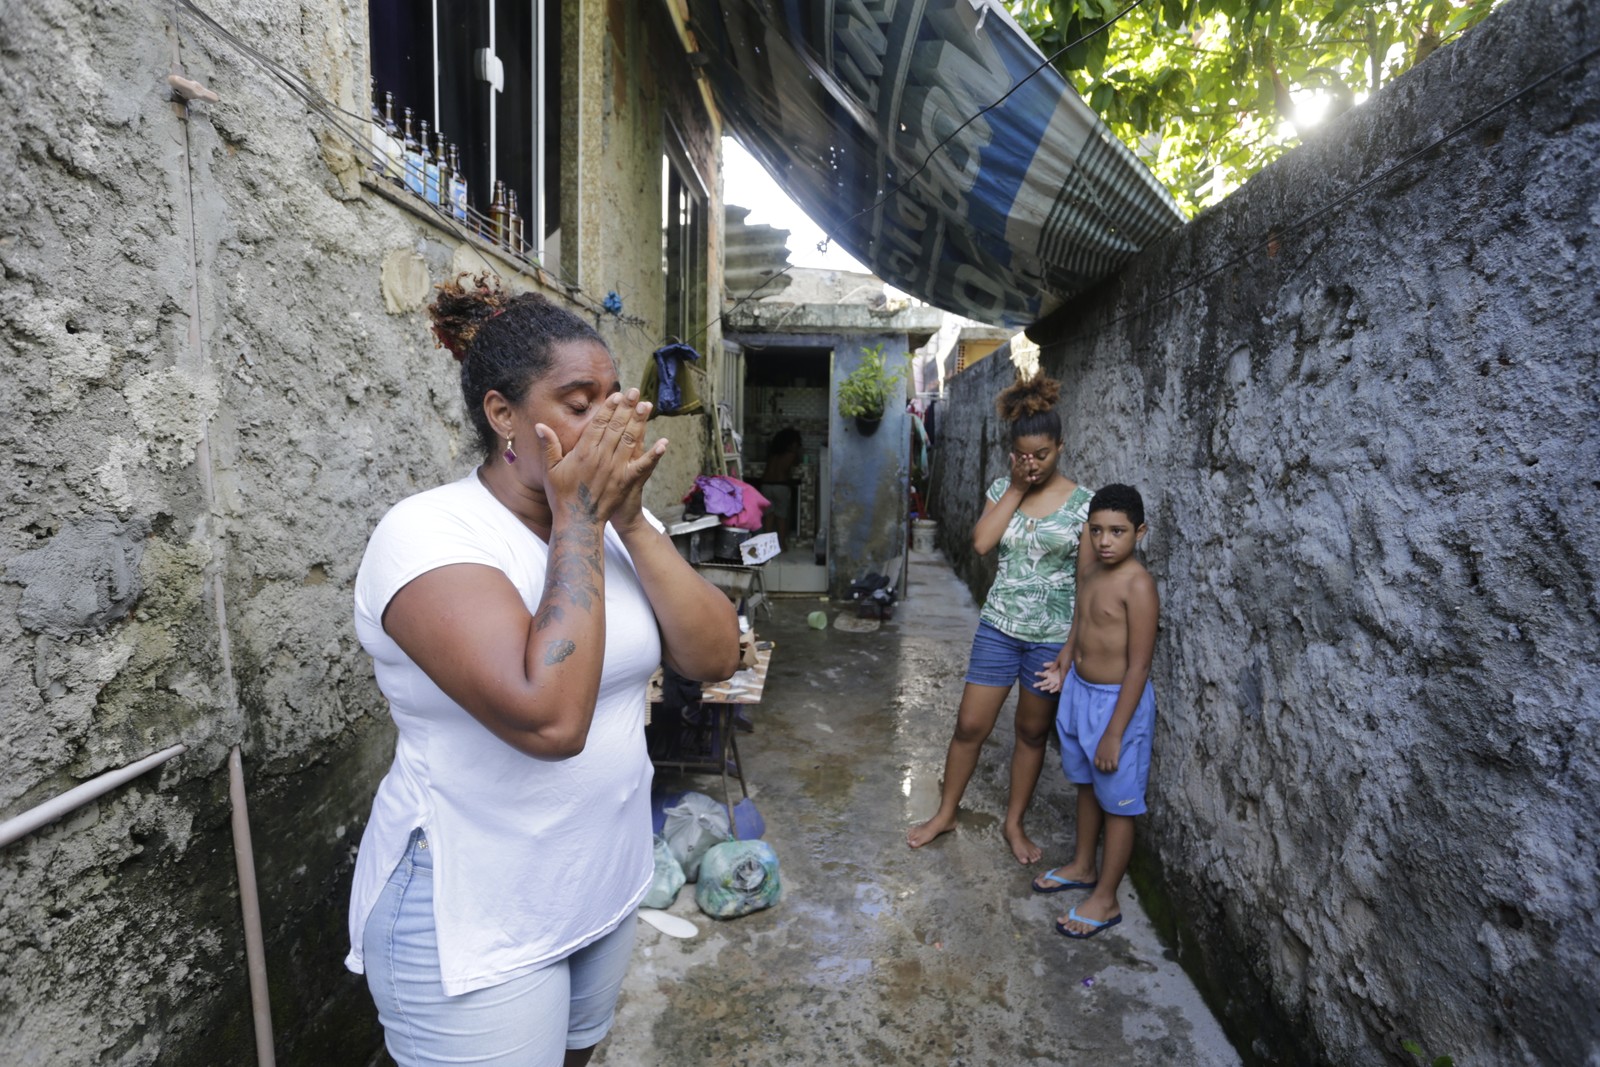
(1036, 584)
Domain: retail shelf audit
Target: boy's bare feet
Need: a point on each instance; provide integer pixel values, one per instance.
(1101, 912)
(1051, 881)
(924, 832)
(1022, 846)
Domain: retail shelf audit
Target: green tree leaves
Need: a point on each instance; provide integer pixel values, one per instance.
(1207, 92)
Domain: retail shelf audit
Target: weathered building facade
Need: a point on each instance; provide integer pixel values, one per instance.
(218, 376)
(865, 527)
(1361, 400)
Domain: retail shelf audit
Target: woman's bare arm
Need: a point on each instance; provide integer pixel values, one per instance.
(532, 679)
(699, 628)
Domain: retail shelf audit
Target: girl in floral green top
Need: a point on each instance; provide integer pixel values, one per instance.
(1035, 517)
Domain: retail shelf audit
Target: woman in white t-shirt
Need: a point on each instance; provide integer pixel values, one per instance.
(514, 618)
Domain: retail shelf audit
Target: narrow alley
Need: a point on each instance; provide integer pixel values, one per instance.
(877, 954)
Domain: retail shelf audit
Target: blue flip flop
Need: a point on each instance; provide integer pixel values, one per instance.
(1096, 924)
(1062, 884)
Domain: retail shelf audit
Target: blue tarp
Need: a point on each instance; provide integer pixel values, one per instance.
(842, 100)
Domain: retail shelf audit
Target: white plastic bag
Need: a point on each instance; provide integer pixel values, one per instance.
(693, 825)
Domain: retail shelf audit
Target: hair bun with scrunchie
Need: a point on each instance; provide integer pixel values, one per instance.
(460, 311)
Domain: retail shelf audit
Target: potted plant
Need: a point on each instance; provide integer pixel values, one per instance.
(864, 392)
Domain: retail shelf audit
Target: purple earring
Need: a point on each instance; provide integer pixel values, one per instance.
(511, 456)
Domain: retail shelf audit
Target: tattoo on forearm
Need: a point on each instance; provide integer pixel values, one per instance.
(558, 651)
(572, 574)
(570, 577)
(586, 503)
(581, 537)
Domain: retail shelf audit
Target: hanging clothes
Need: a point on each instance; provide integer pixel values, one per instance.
(669, 383)
(919, 438)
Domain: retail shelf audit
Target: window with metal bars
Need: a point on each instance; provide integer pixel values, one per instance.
(486, 73)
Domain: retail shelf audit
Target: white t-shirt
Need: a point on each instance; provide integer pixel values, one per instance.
(533, 859)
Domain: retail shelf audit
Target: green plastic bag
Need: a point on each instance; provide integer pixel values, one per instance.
(736, 878)
(667, 880)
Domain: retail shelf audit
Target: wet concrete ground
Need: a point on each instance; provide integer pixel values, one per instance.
(878, 954)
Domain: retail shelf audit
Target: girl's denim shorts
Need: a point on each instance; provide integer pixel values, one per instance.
(1002, 660)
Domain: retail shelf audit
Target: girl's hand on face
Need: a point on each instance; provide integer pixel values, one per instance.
(1023, 474)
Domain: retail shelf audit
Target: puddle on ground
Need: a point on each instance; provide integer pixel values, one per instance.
(840, 968)
(871, 899)
(919, 785)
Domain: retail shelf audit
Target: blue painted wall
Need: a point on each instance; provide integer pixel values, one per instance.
(870, 474)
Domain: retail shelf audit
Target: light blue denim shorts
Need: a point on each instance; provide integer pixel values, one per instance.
(529, 1021)
(1002, 660)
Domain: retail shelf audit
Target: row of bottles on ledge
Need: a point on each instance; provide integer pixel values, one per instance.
(429, 168)
(506, 227)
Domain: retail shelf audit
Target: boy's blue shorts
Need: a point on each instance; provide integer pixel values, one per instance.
(1082, 718)
(1002, 660)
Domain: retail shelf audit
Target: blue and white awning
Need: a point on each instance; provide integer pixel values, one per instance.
(1029, 204)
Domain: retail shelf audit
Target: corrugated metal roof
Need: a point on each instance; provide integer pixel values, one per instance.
(933, 143)
(753, 257)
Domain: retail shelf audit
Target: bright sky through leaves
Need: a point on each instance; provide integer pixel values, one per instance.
(1207, 92)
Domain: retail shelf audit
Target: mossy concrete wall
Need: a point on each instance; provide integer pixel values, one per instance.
(1366, 422)
(217, 379)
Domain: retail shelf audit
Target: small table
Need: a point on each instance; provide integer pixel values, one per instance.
(725, 699)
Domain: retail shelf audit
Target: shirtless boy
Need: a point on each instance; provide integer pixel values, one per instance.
(1108, 707)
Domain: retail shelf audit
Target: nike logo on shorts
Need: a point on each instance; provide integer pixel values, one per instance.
(1123, 803)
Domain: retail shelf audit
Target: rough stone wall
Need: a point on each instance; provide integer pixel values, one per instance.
(1366, 430)
(218, 378)
(970, 452)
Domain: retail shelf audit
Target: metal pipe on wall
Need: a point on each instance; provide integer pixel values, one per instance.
(250, 904)
(72, 799)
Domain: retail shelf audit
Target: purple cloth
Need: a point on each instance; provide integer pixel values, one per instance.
(722, 496)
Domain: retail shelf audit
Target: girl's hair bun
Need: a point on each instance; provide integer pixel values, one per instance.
(1030, 396)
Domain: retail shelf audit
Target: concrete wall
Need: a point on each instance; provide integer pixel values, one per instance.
(218, 377)
(870, 473)
(970, 445)
(1369, 447)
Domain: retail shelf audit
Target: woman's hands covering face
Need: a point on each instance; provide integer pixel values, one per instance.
(602, 478)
